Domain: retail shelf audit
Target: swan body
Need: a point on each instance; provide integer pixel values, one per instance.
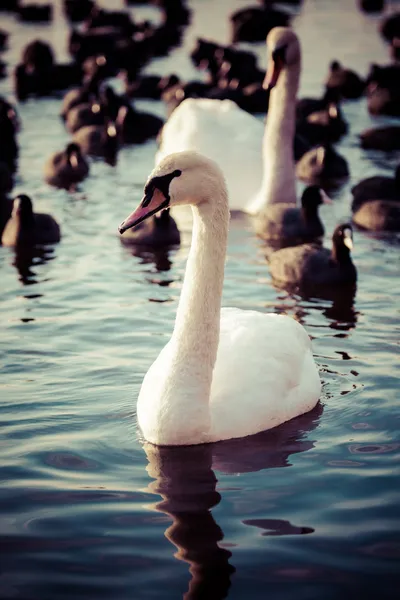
(279, 359)
(257, 160)
(225, 373)
(225, 133)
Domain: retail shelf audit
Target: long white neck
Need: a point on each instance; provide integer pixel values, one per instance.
(279, 178)
(194, 342)
(196, 332)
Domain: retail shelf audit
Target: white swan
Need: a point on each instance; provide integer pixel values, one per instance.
(258, 173)
(225, 373)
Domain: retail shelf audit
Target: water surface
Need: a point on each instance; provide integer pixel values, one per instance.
(309, 510)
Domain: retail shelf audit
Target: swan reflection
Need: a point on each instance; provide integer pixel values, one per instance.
(184, 477)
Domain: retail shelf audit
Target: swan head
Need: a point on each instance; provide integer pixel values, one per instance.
(180, 178)
(284, 51)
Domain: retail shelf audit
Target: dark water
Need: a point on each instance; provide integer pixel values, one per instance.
(309, 510)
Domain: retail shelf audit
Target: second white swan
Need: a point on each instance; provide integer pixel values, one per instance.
(225, 373)
(257, 161)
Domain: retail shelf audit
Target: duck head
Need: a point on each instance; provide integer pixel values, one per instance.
(74, 154)
(313, 196)
(22, 209)
(342, 240)
(37, 56)
(335, 66)
(111, 143)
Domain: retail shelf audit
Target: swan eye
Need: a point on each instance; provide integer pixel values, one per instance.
(160, 182)
(279, 54)
(148, 193)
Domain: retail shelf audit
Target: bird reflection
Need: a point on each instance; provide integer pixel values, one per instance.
(340, 312)
(148, 255)
(275, 527)
(185, 479)
(31, 256)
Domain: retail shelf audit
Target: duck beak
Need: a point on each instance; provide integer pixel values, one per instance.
(324, 197)
(150, 204)
(348, 240)
(333, 111)
(321, 154)
(16, 208)
(275, 66)
(73, 160)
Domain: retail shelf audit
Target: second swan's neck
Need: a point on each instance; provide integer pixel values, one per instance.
(279, 180)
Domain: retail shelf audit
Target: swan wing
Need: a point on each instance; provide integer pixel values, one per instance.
(264, 374)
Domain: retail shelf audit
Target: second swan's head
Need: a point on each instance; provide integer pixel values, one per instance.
(180, 178)
(283, 52)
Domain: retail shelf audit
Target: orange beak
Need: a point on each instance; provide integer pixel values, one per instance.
(150, 205)
(275, 66)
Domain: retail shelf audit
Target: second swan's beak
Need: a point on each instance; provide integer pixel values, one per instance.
(151, 203)
(275, 66)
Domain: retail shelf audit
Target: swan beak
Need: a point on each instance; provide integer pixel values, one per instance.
(151, 204)
(324, 197)
(275, 66)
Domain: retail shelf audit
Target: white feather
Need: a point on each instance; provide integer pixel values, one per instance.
(225, 373)
(257, 160)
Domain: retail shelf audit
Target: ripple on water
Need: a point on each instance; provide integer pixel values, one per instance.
(86, 511)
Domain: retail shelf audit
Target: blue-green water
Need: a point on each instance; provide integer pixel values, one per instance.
(309, 510)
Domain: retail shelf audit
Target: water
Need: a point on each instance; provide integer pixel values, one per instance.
(309, 510)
